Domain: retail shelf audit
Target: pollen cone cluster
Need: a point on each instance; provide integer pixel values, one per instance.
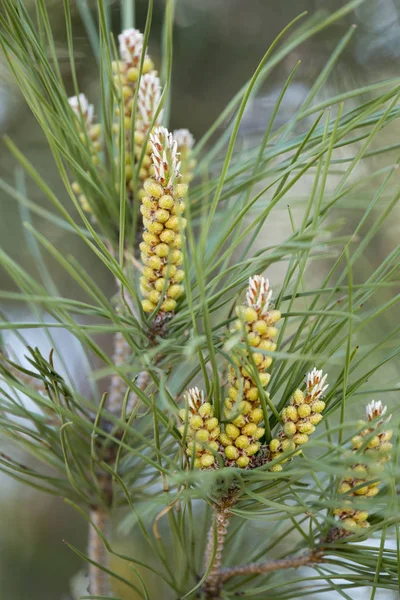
(148, 116)
(256, 322)
(376, 447)
(131, 49)
(299, 418)
(185, 142)
(200, 429)
(90, 133)
(126, 76)
(162, 207)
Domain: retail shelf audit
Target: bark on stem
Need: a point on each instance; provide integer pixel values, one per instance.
(118, 387)
(215, 547)
(291, 562)
(99, 581)
(121, 354)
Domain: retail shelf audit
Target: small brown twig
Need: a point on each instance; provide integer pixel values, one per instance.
(291, 562)
(215, 546)
(99, 580)
(121, 354)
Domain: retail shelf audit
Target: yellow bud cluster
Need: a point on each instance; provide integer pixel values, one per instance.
(362, 481)
(299, 418)
(242, 434)
(162, 207)
(351, 520)
(201, 430)
(148, 114)
(91, 135)
(126, 71)
(185, 141)
(126, 75)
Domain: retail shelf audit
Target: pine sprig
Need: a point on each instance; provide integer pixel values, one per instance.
(205, 424)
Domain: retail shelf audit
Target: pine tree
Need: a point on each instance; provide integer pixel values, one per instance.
(227, 400)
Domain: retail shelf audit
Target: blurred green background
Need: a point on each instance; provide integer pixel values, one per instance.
(218, 44)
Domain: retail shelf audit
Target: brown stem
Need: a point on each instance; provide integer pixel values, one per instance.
(291, 562)
(216, 541)
(99, 581)
(215, 546)
(117, 391)
(121, 354)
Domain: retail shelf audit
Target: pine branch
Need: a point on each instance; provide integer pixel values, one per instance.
(99, 580)
(189, 274)
(291, 562)
(117, 391)
(121, 354)
(215, 546)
